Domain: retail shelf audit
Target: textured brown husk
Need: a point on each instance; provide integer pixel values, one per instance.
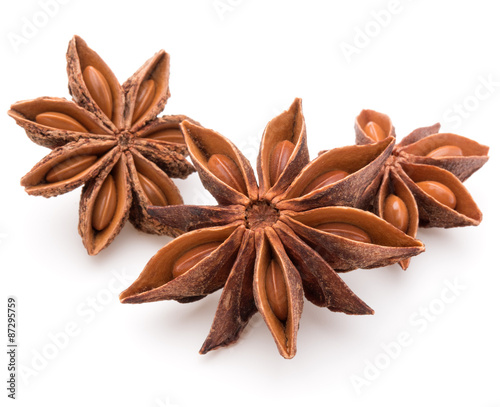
(236, 304)
(363, 163)
(155, 283)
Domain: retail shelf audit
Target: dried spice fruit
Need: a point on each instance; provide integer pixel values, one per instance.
(111, 141)
(272, 243)
(421, 183)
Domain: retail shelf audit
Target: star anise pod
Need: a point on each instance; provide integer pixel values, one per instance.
(111, 141)
(421, 183)
(271, 244)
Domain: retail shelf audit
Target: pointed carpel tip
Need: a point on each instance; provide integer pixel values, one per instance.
(183, 124)
(419, 245)
(125, 298)
(186, 126)
(296, 105)
(361, 113)
(162, 57)
(76, 40)
(12, 111)
(92, 251)
(189, 124)
(391, 138)
(373, 111)
(366, 310)
(164, 54)
(369, 310)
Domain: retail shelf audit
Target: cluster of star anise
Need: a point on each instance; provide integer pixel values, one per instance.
(269, 242)
(421, 183)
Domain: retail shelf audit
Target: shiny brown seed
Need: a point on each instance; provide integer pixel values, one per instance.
(70, 167)
(170, 135)
(396, 212)
(325, 179)
(446, 151)
(105, 204)
(439, 192)
(224, 168)
(192, 257)
(152, 191)
(145, 97)
(374, 131)
(279, 159)
(60, 121)
(99, 89)
(276, 290)
(345, 230)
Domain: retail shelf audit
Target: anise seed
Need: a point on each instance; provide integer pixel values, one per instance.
(99, 89)
(173, 135)
(153, 191)
(192, 257)
(279, 159)
(105, 204)
(224, 168)
(345, 230)
(60, 121)
(276, 290)
(446, 151)
(439, 192)
(325, 179)
(374, 131)
(70, 167)
(396, 212)
(145, 97)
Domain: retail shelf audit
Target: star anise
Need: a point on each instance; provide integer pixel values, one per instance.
(421, 183)
(111, 141)
(270, 245)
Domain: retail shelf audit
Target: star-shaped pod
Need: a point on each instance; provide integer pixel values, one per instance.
(421, 184)
(270, 244)
(110, 140)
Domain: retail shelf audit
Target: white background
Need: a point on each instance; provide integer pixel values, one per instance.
(233, 70)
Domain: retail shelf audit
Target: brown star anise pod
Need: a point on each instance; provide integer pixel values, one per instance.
(111, 141)
(421, 184)
(269, 245)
